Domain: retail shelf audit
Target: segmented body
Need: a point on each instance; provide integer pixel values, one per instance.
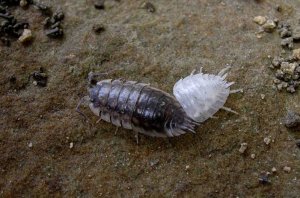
(139, 107)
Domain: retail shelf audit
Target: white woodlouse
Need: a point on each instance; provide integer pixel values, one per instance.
(150, 111)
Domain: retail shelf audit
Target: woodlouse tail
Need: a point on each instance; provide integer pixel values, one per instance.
(202, 95)
(178, 126)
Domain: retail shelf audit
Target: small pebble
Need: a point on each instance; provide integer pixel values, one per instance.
(296, 54)
(26, 36)
(30, 144)
(148, 6)
(291, 89)
(71, 145)
(298, 142)
(267, 140)
(99, 4)
(154, 162)
(98, 28)
(274, 169)
(288, 68)
(243, 147)
(269, 26)
(287, 169)
(253, 156)
(263, 96)
(187, 167)
(260, 20)
(277, 61)
(264, 180)
(23, 3)
(287, 42)
(296, 34)
(284, 32)
(292, 119)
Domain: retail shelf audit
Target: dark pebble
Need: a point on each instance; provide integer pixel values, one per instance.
(292, 120)
(264, 180)
(46, 10)
(298, 142)
(40, 77)
(5, 41)
(149, 7)
(278, 8)
(97, 28)
(287, 42)
(55, 33)
(12, 79)
(277, 61)
(99, 4)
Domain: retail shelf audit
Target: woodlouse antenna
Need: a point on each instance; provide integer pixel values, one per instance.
(92, 76)
(82, 100)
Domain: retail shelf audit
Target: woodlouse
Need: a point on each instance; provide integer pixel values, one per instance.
(150, 111)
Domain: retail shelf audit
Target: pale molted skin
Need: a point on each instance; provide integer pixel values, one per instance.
(139, 107)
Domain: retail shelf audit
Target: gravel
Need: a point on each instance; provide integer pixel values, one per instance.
(292, 119)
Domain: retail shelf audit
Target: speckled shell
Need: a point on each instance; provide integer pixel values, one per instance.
(139, 107)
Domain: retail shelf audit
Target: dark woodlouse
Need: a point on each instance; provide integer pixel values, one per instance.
(139, 107)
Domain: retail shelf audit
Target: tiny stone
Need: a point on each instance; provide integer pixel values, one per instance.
(287, 42)
(267, 140)
(23, 3)
(291, 89)
(260, 20)
(264, 180)
(276, 61)
(274, 169)
(276, 81)
(34, 83)
(298, 142)
(284, 84)
(292, 119)
(71, 145)
(243, 147)
(252, 156)
(148, 6)
(187, 167)
(288, 68)
(279, 87)
(154, 162)
(30, 145)
(99, 4)
(269, 26)
(285, 33)
(296, 77)
(296, 54)
(262, 96)
(278, 8)
(287, 169)
(279, 74)
(98, 28)
(26, 36)
(296, 34)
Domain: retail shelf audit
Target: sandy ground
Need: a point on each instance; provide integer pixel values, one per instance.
(157, 48)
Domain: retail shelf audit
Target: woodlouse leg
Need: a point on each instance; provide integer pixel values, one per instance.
(137, 137)
(236, 91)
(229, 110)
(98, 120)
(192, 73)
(223, 72)
(82, 100)
(116, 130)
